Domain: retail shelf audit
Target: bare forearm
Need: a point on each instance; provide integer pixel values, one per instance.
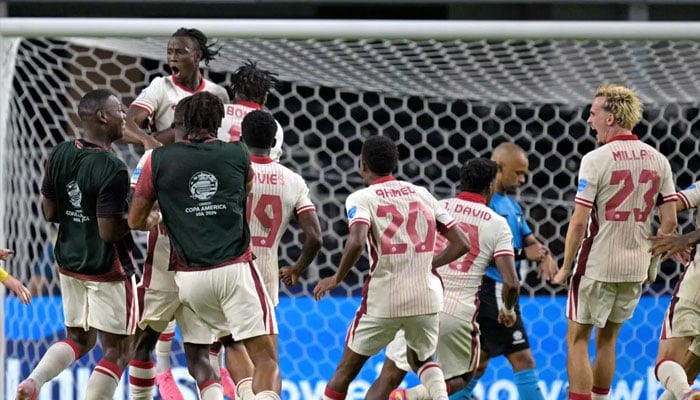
(574, 236)
(309, 250)
(510, 295)
(351, 254)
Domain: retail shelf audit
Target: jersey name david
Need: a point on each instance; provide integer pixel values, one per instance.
(622, 181)
(162, 95)
(402, 221)
(277, 195)
(688, 286)
(230, 129)
(489, 237)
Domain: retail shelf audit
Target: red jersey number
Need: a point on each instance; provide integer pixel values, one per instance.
(627, 184)
(415, 210)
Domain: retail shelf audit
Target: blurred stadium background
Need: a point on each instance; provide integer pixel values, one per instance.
(443, 101)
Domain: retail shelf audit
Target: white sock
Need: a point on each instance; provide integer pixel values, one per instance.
(596, 396)
(215, 361)
(212, 391)
(103, 381)
(418, 393)
(432, 378)
(165, 343)
(267, 395)
(57, 358)
(667, 395)
(672, 376)
(142, 379)
(244, 389)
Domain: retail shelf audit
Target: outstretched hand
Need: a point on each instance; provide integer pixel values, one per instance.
(5, 254)
(25, 296)
(323, 286)
(667, 245)
(289, 275)
(561, 277)
(547, 269)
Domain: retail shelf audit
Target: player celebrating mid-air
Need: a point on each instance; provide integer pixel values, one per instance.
(619, 185)
(157, 103)
(398, 221)
(85, 189)
(458, 341)
(678, 360)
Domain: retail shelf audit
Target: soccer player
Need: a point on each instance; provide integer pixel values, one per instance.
(157, 103)
(458, 340)
(619, 185)
(203, 203)
(398, 221)
(85, 188)
(250, 86)
(678, 360)
(278, 194)
(10, 282)
(496, 339)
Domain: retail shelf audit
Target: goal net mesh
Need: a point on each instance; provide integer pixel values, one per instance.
(443, 102)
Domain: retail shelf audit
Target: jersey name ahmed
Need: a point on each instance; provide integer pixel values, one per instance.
(204, 196)
(78, 172)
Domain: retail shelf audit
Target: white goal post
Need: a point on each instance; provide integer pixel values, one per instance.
(445, 91)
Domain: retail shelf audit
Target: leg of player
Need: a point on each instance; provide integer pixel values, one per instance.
(523, 364)
(241, 368)
(604, 363)
(267, 382)
(56, 359)
(142, 371)
(389, 379)
(349, 366)
(578, 366)
(432, 380)
(117, 352)
(468, 391)
(164, 375)
(198, 365)
(216, 353)
(669, 370)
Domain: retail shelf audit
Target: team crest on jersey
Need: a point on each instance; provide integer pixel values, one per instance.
(203, 186)
(582, 183)
(74, 194)
(351, 212)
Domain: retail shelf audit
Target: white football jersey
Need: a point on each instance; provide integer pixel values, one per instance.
(139, 166)
(277, 195)
(622, 181)
(402, 220)
(230, 130)
(489, 237)
(162, 95)
(688, 286)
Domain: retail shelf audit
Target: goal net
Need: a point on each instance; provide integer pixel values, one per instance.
(442, 101)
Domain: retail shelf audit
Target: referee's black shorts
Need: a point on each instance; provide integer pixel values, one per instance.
(497, 339)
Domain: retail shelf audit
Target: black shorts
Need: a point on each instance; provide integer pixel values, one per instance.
(496, 339)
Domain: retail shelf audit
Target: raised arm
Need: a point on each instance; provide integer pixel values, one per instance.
(135, 118)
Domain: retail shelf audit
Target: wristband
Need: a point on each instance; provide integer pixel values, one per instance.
(3, 275)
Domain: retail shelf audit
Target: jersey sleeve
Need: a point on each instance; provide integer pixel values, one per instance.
(112, 197)
(151, 97)
(587, 182)
(358, 209)
(303, 202)
(668, 188)
(137, 171)
(47, 187)
(144, 185)
(690, 196)
(504, 240)
(523, 226)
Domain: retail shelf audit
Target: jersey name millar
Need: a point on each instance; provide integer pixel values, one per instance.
(489, 237)
(162, 95)
(688, 286)
(402, 220)
(622, 181)
(230, 129)
(277, 195)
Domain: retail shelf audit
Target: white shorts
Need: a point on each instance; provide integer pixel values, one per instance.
(457, 347)
(682, 320)
(229, 300)
(156, 274)
(160, 307)
(592, 302)
(368, 335)
(106, 306)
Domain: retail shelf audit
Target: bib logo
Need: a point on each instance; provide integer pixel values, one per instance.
(203, 186)
(74, 194)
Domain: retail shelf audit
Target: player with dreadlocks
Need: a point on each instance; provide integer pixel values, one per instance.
(250, 86)
(157, 103)
(203, 202)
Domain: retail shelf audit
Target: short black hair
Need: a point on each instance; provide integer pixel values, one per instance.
(204, 110)
(477, 174)
(258, 129)
(179, 115)
(200, 39)
(249, 82)
(91, 102)
(380, 154)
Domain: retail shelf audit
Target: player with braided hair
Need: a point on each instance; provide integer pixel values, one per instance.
(250, 87)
